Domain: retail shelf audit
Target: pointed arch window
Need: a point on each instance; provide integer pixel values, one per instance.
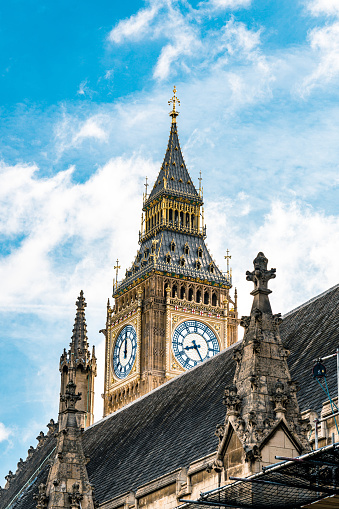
(173, 246)
(186, 249)
(168, 258)
(198, 264)
(214, 299)
(182, 261)
(211, 268)
(200, 252)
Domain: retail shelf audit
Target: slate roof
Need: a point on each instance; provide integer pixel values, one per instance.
(145, 262)
(174, 425)
(173, 169)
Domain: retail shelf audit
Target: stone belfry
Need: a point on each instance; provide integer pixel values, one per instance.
(173, 308)
(262, 413)
(79, 365)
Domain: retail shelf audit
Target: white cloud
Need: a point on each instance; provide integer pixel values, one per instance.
(62, 223)
(5, 433)
(300, 242)
(328, 7)
(325, 45)
(82, 90)
(187, 48)
(239, 39)
(229, 4)
(70, 132)
(90, 129)
(135, 26)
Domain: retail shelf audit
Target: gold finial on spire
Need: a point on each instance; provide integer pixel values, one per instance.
(174, 113)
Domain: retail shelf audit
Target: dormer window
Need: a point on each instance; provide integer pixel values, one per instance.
(186, 249)
(199, 252)
(172, 178)
(182, 261)
(180, 180)
(173, 163)
(211, 268)
(146, 252)
(198, 264)
(172, 246)
(168, 258)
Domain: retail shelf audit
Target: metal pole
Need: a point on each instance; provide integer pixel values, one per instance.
(316, 433)
(338, 376)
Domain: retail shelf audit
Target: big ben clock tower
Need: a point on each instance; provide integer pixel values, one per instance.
(173, 308)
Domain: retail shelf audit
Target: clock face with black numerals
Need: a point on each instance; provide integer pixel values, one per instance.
(124, 352)
(194, 342)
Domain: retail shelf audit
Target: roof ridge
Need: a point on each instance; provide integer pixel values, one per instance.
(310, 301)
(161, 386)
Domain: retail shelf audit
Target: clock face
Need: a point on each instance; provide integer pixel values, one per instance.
(194, 342)
(125, 350)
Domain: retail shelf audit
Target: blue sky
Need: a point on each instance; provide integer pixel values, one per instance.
(84, 118)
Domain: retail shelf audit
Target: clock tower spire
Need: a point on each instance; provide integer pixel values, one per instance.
(173, 308)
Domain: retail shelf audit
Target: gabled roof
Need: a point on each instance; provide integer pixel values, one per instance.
(173, 177)
(174, 425)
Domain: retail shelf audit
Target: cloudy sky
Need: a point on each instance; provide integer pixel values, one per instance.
(84, 118)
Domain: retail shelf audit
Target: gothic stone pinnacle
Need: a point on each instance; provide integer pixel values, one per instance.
(260, 277)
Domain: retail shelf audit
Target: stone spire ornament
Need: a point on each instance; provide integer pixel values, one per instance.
(67, 484)
(262, 413)
(79, 365)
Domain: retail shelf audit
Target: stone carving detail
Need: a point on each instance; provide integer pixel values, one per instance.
(280, 398)
(232, 400)
(20, 465)
(75, 497)
(245, 322)
(217, 465)
(41, 438)
(219, 432)
(237, 356)
(252, 454)
(41, 498)
(260, 276)
(257, 316)
(9, 477)
(277, 319)
(52, 427)
(30, 452)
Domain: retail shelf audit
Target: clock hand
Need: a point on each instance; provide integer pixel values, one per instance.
(125, 351)
(196, 347)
